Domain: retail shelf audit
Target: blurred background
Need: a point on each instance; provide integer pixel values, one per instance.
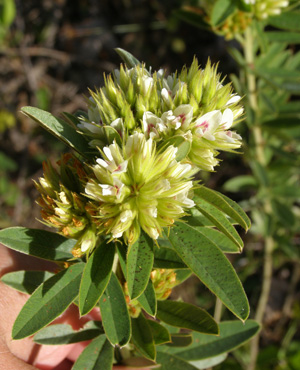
(51, 52)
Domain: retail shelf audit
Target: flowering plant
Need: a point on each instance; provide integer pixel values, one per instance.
(133, 222)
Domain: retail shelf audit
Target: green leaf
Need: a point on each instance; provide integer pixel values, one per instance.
(142, 337)
(50, 299)
(232, 335)
(172, 362)
(138, 362)
(209, 362)
(140, 258)
(26, 281)
(219, 219)
(148, 299)
(114, 313)
(208, 262)
(286, 37)
(160, 334)
(222, 10)
(95, 277)
(182, 275)
(180, 340)
(226, 205)
(128, 58)
(185, 315)
(60, 129)
(222, 241)
(240, 183)
(166, 258)
(99, 354)
(64, 334)
(286, 21)
(38, 243)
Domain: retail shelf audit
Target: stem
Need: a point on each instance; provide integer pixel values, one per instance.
(218, 310)
(260, 157)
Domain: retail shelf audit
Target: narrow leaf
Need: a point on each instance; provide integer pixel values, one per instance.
(232, 335)
(64, 334)
(222, 241)
(26, 281)
(99, 354)
(148, 299)
(95, 277)
(114, 313)
(142, 337)
(221, 10)
(166, 258)
(225, 204)
(208, 262)
(160, 334)
(49, 300)
(180, 340)
(138, 363)
(172, 362)
(38, 243)
(185, 315)
(209, 362)
(59, 128)
(127, 58)
(140, 258)
(220, 221)
(286, 21)
(286, 37)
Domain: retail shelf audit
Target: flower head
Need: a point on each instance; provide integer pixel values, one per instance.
(139, 187)
(164, 108)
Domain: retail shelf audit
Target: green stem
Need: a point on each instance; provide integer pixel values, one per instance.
(260, 157)
(218, 310)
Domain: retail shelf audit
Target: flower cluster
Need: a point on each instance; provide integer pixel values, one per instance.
(192, 106)
(63, 205)
(153, 133)
(163, 280)
(242, 16)
(137, 187)
(263, 9)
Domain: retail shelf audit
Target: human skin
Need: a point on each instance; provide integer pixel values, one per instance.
(24, 354)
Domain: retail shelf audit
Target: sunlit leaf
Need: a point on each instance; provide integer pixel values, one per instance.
(114, 313)
(26, 281)
(142, 337)
(99, 354)
(140, 259)
(95, 277)
(64, 334)
(38, 243)
(185, 315)
(49, 300)
(208, 262)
